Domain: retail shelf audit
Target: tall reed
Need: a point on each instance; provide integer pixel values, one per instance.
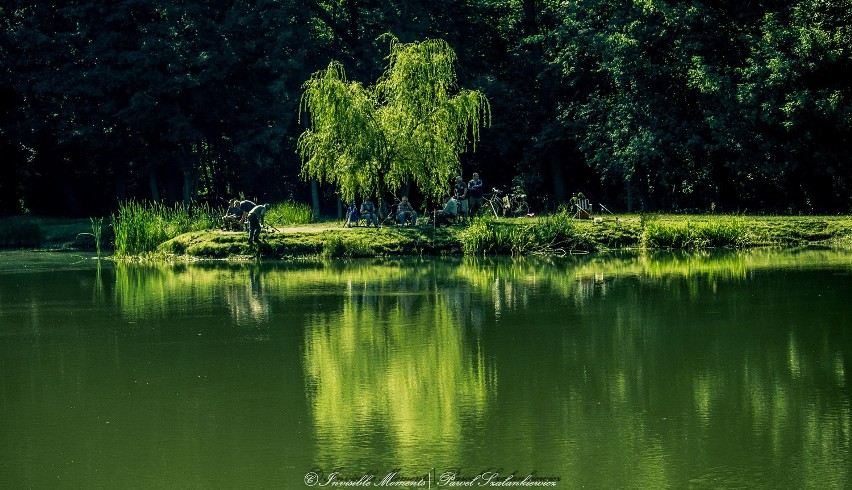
(552, 234)
(97, 229)
(721, 231)
(289, 213)
(141, 227)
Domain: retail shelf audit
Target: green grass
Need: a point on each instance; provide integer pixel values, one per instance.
(140, 228)
(554, 234)
(694, 232)
(289, 213)
(157, 230)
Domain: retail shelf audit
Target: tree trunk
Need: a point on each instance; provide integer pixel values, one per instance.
(315, 198)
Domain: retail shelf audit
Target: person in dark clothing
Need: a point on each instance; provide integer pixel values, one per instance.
(245, 208)
(406, 212)
(368, 212)
(474, 189)
(352, 214)
(461, 196)
(449, 213)
(232, 217)
(255, 217)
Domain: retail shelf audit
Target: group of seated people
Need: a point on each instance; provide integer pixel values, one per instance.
(405, 213)
(237, 213)
(241, 211)
(366, 211)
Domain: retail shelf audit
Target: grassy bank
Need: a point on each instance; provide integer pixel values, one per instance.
(553, 234)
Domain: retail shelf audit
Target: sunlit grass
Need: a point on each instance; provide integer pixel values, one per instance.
(715, 231)
(140, 228)
(289, 213)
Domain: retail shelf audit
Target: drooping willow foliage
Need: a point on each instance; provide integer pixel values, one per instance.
(410, 127)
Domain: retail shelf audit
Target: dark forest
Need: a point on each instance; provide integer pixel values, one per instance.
(644, 105)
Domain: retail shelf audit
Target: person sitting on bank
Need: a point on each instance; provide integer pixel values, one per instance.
(255, 217)
(448, 214)
(461, 196)
(352, 214)
(232, 215)
(368, 212)
(406, 212)
(474, 192)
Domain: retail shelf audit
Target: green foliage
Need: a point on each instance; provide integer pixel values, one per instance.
(552, 234)
(722, 231)
(289, 213)
(409, 127)
(140, 228)
(656, 105)
(97, 231)
(337, 247)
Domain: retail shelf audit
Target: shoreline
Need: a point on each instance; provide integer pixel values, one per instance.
(516, 236)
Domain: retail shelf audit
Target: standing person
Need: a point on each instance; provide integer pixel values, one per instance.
(405, 212)
(474, 189)
(245, 208)
(461, 196)
(368, 211)
(255, 217)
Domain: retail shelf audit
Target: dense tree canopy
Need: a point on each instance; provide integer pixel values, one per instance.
(645, 104)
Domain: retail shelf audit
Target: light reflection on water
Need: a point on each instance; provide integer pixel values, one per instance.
(649, 371)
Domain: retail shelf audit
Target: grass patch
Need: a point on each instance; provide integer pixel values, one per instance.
(554, 234)
(289, 213)
(140, 228)
(693, 233)
(557, 233)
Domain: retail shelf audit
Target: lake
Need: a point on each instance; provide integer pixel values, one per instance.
(630, 370)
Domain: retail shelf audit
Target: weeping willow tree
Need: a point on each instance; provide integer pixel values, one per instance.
(410, 127)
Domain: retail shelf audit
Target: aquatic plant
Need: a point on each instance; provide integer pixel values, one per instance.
(97, 229)
(289, 213)
(551, 234)
(141, 227)
(715, 231)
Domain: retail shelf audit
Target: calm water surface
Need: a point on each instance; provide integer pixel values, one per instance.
(641, 371)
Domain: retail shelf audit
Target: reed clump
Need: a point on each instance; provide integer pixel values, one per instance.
(715, 231)
(289, 213)
(140, 227)
(554, 234)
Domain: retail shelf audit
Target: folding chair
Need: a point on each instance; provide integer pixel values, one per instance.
(583, 208)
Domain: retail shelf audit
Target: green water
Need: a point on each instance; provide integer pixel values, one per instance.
(637, 371)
